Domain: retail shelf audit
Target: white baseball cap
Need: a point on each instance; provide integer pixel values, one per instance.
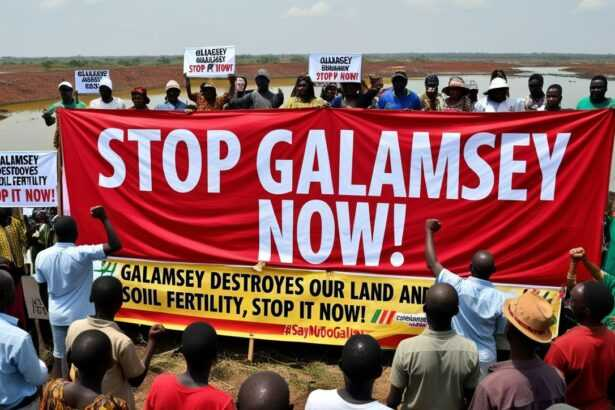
(173, 84)
(106, 82)
(65, 84)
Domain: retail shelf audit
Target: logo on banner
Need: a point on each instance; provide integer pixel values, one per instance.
(209, 62)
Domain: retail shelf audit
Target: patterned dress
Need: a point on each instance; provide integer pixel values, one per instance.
(53, 399)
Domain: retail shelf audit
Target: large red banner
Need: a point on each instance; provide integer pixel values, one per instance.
(344, 189)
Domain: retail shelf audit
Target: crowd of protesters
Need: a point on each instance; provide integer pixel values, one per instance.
(481, 348)
(455, 96)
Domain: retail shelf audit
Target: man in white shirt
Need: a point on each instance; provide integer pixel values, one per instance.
(361, 367)
(497, 99)
(107, 101)
(64, 273)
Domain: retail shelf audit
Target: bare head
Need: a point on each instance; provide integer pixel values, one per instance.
(483, 265)
(264, 391)
(441, 304)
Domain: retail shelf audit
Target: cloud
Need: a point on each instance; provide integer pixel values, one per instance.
(53, 4)
(591, 5)
(318, 9)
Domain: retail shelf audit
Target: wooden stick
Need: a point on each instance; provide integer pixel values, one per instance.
(59, 189)
(251, 349)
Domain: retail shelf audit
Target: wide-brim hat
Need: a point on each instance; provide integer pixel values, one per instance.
(456, 82)
(531, 315)
(497, 83)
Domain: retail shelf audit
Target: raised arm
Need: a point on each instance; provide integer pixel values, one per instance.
(576, 254)
(154, 334)
(579, 254)
(189, 88)
(432, 226)
(113, 242)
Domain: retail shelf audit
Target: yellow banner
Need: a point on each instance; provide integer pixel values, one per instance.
(280, 304)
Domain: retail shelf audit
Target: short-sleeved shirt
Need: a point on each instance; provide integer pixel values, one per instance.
(296, 102)
(115, 104)
(434, 368)
(522, 384)
(126, 361)
(21, 371)
(67, 271)
(257, 100)
(587, 358)
(167, 106)
(586, 103)
(59, 104)
(331, 400)
(13, 241)
(168, 393)
(480, 315)
(390, 101)
(508, 105)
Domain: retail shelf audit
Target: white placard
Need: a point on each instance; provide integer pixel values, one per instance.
(335, 68)
(34, 304)
(28, 179)
(86, 81)
(209, 62)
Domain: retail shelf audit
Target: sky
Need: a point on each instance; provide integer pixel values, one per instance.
(38, 28)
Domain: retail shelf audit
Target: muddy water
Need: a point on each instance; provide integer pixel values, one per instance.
(24, 129)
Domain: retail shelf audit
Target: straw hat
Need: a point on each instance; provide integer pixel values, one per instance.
(496, 83)
(531, 315)
(456, 82)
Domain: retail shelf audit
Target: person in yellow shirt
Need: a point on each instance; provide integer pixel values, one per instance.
(303, 95)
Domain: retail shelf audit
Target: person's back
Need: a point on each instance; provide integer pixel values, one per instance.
(21, 371)
(167, 392)
(191, 390)
(332, 400)
(361, 365)
(435, 367)
(480, 312)
(586, 353)
(522, 385)
(586, 356)
(67, 270)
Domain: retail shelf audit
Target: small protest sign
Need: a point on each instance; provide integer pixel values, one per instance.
(335, 68)
(86, 81)
(209, 62)
(34, 304)
(28, 179)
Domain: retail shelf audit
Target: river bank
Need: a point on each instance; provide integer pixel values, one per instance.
(28, 83)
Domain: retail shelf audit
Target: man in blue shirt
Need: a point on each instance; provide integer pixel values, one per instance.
(21, 371)
(480, 316)
(64, 273)
(172, 101)
(399, 97)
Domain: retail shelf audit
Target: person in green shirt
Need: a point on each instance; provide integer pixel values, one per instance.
(597, 95)
(67, 101)
(579, 255)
